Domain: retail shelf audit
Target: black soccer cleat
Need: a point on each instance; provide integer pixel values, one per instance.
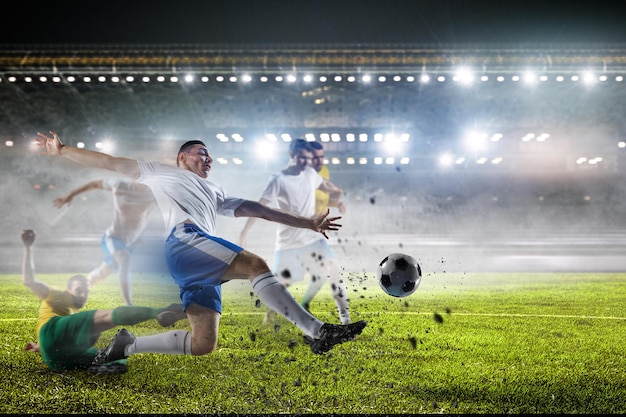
(334, 334)
(111, 368)
(115, 350)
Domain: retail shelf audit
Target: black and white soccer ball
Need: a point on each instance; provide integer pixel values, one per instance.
(399, 274)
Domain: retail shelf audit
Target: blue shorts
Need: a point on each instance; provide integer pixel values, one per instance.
(197, 263)
(291, 265)
(110, 245)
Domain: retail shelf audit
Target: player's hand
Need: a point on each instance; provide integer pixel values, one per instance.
(51, 144)
(58, 203)
(32, 347)
(324, 223)
(28, 237)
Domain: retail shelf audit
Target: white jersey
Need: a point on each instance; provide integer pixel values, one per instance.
(132, 203)
(296, 195)
(183, 195)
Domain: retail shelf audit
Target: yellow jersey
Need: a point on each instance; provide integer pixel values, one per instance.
(322, 198)
(57, 303)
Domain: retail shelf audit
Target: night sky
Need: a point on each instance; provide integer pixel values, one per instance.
(280, 21)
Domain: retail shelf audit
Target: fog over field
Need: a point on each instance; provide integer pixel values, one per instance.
(448, 221)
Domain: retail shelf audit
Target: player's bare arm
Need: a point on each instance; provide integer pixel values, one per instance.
(67, 199)
(320, 223)
(39, 288)
(243, 236)
(52, 144)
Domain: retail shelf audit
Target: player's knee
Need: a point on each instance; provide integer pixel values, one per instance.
(199, 349)
(249, 264)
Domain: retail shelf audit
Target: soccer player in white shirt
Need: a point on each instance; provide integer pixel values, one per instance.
(199, 261)
(298, 251)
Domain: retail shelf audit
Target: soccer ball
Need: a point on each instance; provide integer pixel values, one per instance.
(399, 274)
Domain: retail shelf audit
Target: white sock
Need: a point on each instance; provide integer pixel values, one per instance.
(175, 342)
(274, 295)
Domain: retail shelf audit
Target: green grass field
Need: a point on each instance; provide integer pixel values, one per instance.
(462, 343)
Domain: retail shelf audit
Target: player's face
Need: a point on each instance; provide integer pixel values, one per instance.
(317, 160)
(80, 292)
(303, 159)
(197, 160)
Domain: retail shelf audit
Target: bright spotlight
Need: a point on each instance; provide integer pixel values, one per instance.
(588, 77)
(530, 77)
(464, 76)
(393, 144)
(476, 141)
(445, 160)
(266, 150)
(105, 146)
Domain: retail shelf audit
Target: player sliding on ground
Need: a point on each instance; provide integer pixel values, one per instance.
(198, 260)
(66, 336)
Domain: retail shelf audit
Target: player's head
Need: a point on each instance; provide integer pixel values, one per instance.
(78, 286)
(317, 162)
(194, 156)
(301, 153)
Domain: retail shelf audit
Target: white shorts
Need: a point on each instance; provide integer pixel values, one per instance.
(291, 265)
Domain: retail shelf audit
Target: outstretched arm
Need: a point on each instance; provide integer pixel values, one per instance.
(53, 146)
(320, 223)
(40, 289)
(67, 199)
(243, 236)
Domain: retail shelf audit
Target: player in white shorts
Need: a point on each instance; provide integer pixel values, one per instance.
(300, 251)
(200, 262)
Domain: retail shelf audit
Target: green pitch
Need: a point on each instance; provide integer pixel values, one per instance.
(462, 343)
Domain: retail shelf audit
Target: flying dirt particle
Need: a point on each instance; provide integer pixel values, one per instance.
(380, 330)
(285, 274)
(292, 343)
(257, 303)
(448, 311)
(252, 337)
(276, 328)
(438, 318)
(372, 200)
(413, 342)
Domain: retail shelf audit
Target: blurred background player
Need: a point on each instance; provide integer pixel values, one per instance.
(298, 251)
(323, 200)
(132, 203)
(65, 335)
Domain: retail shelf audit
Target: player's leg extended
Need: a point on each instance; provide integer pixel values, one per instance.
(315, 285)
(122, 258)
(108, 245)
